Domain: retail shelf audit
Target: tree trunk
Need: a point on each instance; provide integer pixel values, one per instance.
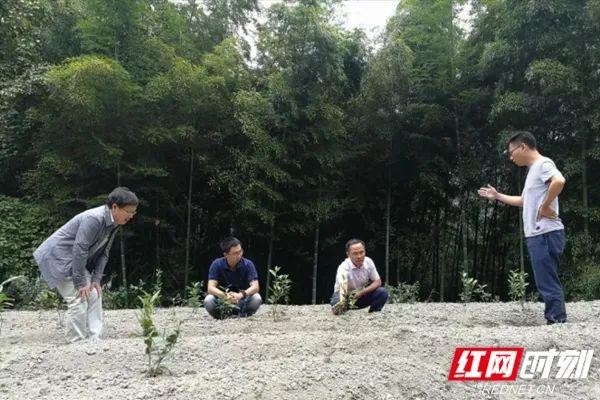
(521, 236)
(315, 265)
(122, 242)
(464, 236)
(484, 240)
(462, 202)
(188, 222)
(441, 256)
(584, 187)
(387, 226)
(398, 261)
(476, 265)
(456, 261)
(445, 258)
(435, 251)
(123, 266)
(157, 236)
(269, 261)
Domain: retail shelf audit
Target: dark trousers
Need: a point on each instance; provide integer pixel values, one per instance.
(245, 308)
(376, 299)
(545, 251)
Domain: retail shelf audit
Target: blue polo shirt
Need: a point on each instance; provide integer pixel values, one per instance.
(235, 279)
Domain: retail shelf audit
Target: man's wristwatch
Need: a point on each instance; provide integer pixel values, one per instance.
(243, 292)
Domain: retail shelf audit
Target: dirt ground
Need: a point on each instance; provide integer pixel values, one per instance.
(404, 352)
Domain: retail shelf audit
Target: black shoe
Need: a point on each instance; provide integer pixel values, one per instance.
(557, 321)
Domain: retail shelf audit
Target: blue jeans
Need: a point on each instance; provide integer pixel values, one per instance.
(545, 251)
(244, 308)
(376, 299)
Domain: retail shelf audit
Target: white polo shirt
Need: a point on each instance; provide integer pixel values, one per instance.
(357, 276)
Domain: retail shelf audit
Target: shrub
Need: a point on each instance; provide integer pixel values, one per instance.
(351, 299)
(472, 290)
(586, 285)
(225, 308)
(5, 301)
(158, 346)
(279, 290)
(48, 299)
(117, 299)
(24, 227)
(34, 294)
(194, 294)
(122, 297)
(403, 293)
(517, 285)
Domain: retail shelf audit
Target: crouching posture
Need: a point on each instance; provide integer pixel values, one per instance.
(357, 282)
(73, 258)
(232, 283)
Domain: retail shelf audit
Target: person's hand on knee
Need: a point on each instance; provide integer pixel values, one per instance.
(84, 293)
(98, 287)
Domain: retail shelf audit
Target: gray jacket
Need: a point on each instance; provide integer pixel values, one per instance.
(83, 242)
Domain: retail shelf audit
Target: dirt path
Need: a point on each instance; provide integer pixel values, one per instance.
(403, 352)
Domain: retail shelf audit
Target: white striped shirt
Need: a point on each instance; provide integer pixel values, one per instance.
(357, 276)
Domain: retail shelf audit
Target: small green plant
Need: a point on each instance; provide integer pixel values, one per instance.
(351, 299)
(25, 292)
(115, 299)
(5, 301)
(194, 294)
(533, 297)
(403, 293)
(177, 300)
(472, 290)
(224, 307)
(122, 297)
(158, 346)
(279, 291)
(48, 299)
(517, 283)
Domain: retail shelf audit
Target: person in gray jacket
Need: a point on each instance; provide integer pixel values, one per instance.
(73, 258)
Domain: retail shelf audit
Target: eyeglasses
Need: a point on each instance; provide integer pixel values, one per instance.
(132, 213)
(511, 152)
(235, 253)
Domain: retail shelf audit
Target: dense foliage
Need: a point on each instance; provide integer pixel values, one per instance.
(320, 136)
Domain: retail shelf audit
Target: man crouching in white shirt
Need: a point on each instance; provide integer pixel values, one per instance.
(357, 281)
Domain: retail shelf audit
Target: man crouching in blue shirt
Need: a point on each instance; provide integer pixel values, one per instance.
(237, 276)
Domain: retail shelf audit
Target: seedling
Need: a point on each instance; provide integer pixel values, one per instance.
(158, 346)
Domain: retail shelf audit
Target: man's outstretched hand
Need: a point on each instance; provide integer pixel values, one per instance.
(489, 192)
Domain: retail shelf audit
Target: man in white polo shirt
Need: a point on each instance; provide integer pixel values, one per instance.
(544, 230)
(357, 274)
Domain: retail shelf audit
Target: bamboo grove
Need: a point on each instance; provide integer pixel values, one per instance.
(276, 124)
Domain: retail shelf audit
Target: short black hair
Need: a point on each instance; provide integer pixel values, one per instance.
(526, 137)
(229, 242)
(122, 196)
(352, 242)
